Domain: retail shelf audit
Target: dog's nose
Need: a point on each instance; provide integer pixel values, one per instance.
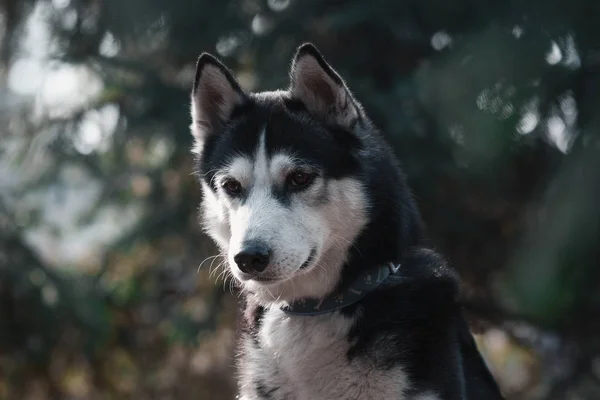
(253, 258)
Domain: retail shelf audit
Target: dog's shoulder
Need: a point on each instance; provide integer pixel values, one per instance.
(425, 287)
(416, 303)
(425, 272)
(415, 320)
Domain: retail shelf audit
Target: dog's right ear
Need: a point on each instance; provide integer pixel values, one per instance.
(214, 96)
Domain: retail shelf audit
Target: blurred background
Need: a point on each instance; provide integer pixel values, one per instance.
(105, 289)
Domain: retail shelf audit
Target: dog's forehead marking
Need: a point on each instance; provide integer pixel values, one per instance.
(262, 171)
(262, 168)
(261, 161)
(269, 169)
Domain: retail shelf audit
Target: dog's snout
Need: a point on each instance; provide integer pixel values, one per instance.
(253, 258)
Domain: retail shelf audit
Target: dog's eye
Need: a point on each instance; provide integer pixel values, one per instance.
(232, 187)
(299, 179)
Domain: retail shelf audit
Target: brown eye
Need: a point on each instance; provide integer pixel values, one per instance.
(300, 179)
(232, 187)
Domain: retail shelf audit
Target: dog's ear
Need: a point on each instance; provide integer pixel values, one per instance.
(214, 96)
(321, 89)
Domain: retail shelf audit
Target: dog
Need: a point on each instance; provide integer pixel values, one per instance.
(311, 210)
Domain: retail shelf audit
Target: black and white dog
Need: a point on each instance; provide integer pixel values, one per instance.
(313, 216)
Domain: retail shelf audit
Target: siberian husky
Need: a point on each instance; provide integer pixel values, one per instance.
(312, 213)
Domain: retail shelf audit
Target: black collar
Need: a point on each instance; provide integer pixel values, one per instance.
(366, 282)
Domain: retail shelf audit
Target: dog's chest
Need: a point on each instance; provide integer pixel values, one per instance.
(298, 358)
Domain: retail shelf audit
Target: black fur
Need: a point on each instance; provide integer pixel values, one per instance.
(417, 311)
(414, 320)
(206, 59)
(330, 149)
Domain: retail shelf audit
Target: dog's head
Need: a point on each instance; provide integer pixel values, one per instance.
(280, 175)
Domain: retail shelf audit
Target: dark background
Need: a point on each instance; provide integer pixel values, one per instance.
(493, 107)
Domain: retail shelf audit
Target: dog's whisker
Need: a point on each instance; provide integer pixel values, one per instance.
(351, 244)
(213, 271)
(223, 273)
(206, 259)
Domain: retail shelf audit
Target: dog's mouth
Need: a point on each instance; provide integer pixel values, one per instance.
(274, 279)
(257, 278)
(263, 279)
(310, 259)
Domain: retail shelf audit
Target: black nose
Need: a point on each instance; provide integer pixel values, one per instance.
(253, 258)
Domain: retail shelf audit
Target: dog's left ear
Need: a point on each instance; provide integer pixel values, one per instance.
(321, 89)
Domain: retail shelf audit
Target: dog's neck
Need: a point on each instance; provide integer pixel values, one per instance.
(317, 283)
(343, 297)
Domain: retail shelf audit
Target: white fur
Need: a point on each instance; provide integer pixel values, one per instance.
(305, 359)
(327, 217)
(215, 217)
